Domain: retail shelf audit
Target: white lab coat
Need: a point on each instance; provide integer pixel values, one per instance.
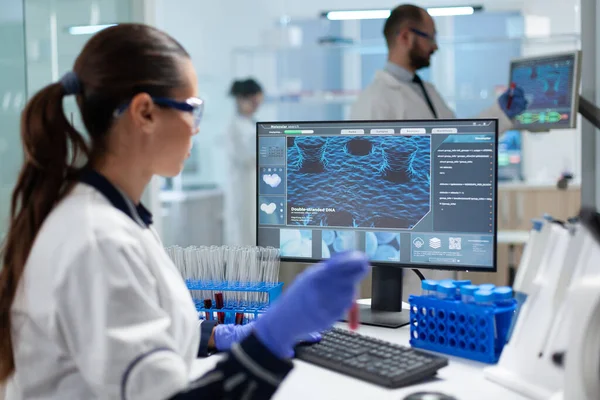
(240, 192)
(388, 98)
(102, 312)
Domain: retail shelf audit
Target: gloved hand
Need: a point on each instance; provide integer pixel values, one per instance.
(226, 335)
(314, 337)
(314, 302)
(518, 104)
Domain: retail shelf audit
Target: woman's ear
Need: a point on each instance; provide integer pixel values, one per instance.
(142, 111)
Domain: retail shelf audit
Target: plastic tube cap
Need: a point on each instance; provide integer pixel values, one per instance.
(446, 288)
(503, 293)
(461, 283)
(484, 296)
(537, 225)
(487, 286)
(429, 284)
(468, 290)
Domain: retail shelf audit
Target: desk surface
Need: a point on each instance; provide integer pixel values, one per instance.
(461, 378)
(513, 237)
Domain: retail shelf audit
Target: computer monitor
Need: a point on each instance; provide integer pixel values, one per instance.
(510, 156)
(551, 85)
(410, 194)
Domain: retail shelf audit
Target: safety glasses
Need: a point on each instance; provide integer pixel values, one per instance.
(193, 105)
(427, 36)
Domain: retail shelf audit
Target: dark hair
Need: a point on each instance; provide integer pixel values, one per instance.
(245, 88)
(400, 16)
(115, 65)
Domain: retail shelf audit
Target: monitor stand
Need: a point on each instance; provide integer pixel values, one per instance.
(386, 300)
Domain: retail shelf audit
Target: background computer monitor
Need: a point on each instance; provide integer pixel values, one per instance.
(411, 194)
(551, 85)
(510, 156)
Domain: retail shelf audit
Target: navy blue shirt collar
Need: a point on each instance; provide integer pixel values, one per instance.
(116, 198)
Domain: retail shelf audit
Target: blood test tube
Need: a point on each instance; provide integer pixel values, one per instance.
(353, 317)
(219, 301)
(208, 306)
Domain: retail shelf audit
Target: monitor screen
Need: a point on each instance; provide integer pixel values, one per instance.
(551, 85)
(408, 193)
(510, 156)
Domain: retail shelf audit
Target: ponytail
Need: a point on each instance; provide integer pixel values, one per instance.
(52, 148)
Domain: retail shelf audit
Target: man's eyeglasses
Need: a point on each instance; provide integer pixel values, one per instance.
(193, 105)
(424, 35)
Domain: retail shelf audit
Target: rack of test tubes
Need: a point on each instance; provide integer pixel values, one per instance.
(230, 284)
(461, 319)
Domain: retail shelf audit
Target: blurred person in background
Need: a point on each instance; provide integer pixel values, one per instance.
(240, 140)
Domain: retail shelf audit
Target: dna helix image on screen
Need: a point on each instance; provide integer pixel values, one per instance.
(361, 182)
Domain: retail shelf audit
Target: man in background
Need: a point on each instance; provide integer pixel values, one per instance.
(398, 93)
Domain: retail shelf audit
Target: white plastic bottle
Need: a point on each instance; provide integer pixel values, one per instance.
(484, 297)
(429, 288)
(487, 286)
(446, 291)
(467, 293)
(503, 296)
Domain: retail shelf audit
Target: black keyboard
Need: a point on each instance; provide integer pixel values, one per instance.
(372, 360)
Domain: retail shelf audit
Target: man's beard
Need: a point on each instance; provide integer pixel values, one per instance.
(417, 60)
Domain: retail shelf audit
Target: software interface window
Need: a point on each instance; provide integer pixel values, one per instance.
(419, 193)
(550, 85)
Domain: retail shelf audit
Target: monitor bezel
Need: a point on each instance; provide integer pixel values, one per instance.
(576, 54)
(462, 267)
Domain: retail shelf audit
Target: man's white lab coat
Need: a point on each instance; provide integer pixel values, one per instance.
(388, 98)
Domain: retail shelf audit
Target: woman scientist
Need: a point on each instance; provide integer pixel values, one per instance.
(91, 306)
(240, 194)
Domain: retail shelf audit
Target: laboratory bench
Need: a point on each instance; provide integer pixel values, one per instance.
(462, 378)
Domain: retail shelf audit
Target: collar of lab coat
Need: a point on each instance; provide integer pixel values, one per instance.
(390, 81)
(403, 75)
(117, 198)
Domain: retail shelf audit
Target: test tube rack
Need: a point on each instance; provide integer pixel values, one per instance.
(231, 308)
(460, 329)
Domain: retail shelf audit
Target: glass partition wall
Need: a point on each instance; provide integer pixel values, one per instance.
(40, 40)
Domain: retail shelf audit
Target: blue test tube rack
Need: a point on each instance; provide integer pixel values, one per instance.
(273, 290)
(460, 329)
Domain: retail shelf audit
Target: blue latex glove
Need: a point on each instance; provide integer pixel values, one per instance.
(314, 302)
(314, 337)
(518, 105)
(226, 335)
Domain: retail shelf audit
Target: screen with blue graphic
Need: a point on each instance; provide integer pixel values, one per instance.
(551, 86)
(407, 193)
